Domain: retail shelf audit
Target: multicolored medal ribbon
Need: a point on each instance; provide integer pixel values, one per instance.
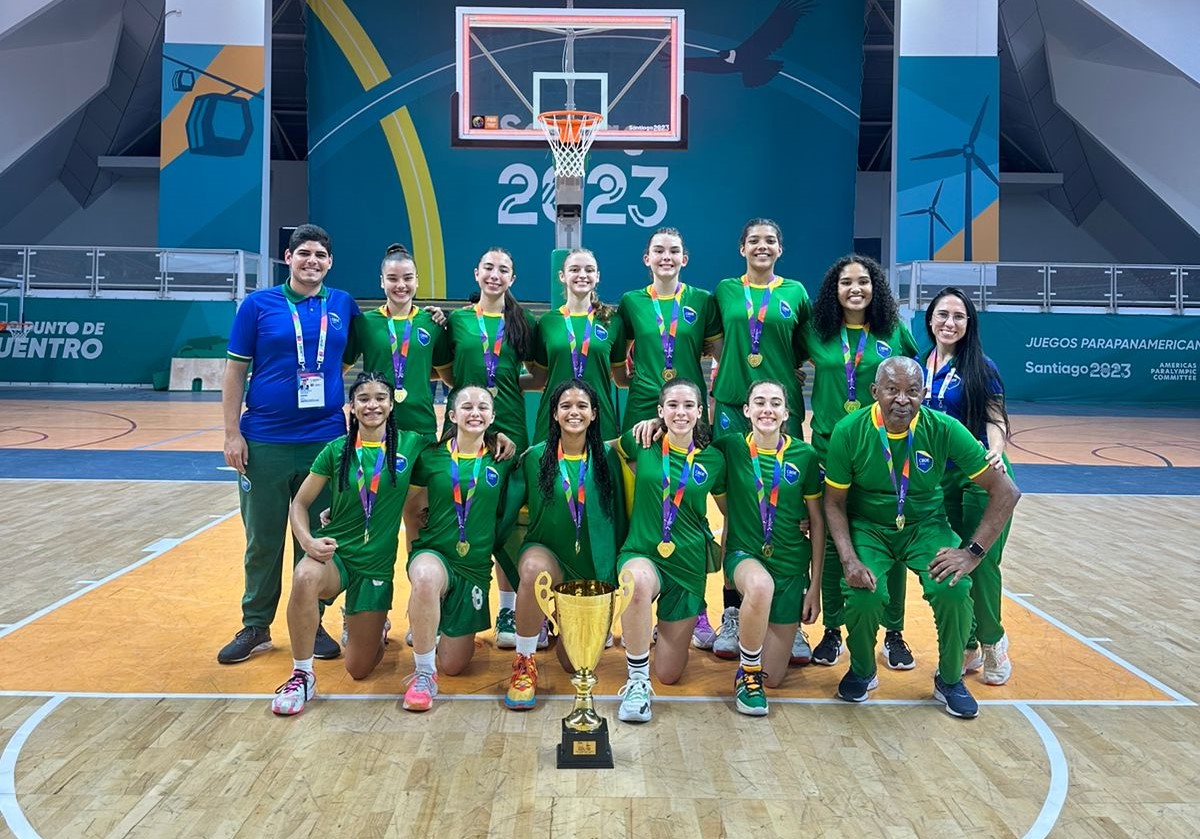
(399, 348)
(491, 354)
(670, 505)
(367, 490)
(852, 404)
(755, 321)
(575, 500)
(300, 333)
(900, 485)
(462, 506)
(768, 503)
(578, 357)
(667, 334)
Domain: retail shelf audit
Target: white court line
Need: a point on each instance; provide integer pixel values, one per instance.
(125, 480)
(11, 628)
(1113, 657)
(10, 808)
(1056, 796)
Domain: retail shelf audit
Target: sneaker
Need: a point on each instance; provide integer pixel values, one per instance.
(506, 629)
(997, 666)
(408, 637)
(726, 645)
(853, 688)
(291, 696)
(248, 641)
(422, 687)
(801, 650)
(748, 692)
(830, 649)
(956, 698)
(703, 635)
(635, 701)
(543, 635)
(608, 642)
(345, 629)
(896, 654)
(387, 627)
(325, 647)
(972, 660)
(522, 687)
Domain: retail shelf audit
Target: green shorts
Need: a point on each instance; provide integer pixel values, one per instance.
(789, 590)
(363, 593)
(465, 605)
(675, 603)
(573, 568)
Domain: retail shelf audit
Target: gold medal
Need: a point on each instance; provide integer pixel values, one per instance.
(754, 359)
(768, 550)
(668, 374)
(366, 536)
(493, 390)
(463, 548)
(665, 549)
(401, 394)
(900, 522)
(852, 405)
(577, 546)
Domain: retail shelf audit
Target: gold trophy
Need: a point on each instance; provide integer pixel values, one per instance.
(582, 614)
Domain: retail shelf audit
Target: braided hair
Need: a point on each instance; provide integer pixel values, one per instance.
(450, 429)
(389, 438)
(593, 445)
(882, 312)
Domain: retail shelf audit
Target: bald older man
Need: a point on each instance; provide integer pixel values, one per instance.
(883, 505)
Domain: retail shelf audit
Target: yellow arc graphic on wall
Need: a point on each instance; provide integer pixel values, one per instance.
(416, 181)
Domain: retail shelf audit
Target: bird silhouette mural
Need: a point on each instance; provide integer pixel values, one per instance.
(752, 57)
(970, 159)
(934, 216)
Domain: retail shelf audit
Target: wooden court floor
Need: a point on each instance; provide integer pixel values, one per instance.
(115, 719)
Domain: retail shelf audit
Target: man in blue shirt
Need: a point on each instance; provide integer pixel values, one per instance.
(293, 337)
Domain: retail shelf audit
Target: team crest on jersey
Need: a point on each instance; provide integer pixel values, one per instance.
(955, 381)
(477, 597)
(335, 320)
(401, 463)
(882, 349)
(724, 420)
(492, 476)
(699, 475)
(689, 314)
(422, 336)
(924, 461)
(785, 309)
(601, 333)
(790, 473)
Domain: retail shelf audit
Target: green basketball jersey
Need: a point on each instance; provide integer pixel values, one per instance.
(374, 557)
(553, 352)
(856, 462)
(799, 480)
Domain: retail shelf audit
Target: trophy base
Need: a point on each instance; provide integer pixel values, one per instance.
(585, 749)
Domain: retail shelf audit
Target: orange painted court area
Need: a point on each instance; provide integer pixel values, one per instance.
(156, 629)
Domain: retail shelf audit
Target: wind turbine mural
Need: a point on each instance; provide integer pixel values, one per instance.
(970, 158)
(933, 214)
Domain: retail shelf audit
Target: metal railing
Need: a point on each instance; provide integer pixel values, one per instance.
(1056, 286)
(59, 271)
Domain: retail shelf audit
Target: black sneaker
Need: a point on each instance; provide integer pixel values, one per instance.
(830, 648)
(325, 647)
(248, 641)
(896, 654)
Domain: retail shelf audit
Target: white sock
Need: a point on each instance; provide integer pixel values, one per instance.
(426, 662)
(306, 665)
(639, 665)
(508, 600)
(750, 658)
(526, 644)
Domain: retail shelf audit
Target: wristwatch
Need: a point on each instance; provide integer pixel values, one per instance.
(976, 550)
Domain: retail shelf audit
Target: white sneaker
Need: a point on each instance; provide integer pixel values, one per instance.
(801, 649)
(408, 637)
(726, 645)
(506, 629)
(635, 700)
(608, 642)
(972, 660)
(997, 667)
(291, 696)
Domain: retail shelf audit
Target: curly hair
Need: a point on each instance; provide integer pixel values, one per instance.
(882, 312)
(548, 474)
(389, 438)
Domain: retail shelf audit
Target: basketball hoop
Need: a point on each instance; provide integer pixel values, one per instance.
(570, 134)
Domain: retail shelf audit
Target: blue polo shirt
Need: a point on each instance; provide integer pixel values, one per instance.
(946, 395)
(263, 334)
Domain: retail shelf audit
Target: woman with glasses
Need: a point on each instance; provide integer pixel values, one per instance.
(964, 383)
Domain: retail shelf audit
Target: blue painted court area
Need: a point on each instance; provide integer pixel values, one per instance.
(1050, 479)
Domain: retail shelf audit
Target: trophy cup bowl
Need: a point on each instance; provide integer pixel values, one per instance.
(582, 614)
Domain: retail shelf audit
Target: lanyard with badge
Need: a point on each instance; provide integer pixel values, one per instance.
(310, 385)
(931, 374)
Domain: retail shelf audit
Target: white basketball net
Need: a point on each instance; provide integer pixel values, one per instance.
(570, 134)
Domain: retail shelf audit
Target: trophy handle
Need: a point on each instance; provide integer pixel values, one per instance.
(623, 594)
(544, 596)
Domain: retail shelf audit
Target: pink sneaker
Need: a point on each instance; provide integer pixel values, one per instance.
(422, 687)
(292, 695)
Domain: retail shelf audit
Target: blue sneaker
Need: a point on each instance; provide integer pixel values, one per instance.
(956, 698)
(853, 688)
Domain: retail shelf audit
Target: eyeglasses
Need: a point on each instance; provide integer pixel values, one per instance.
(943, 316)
